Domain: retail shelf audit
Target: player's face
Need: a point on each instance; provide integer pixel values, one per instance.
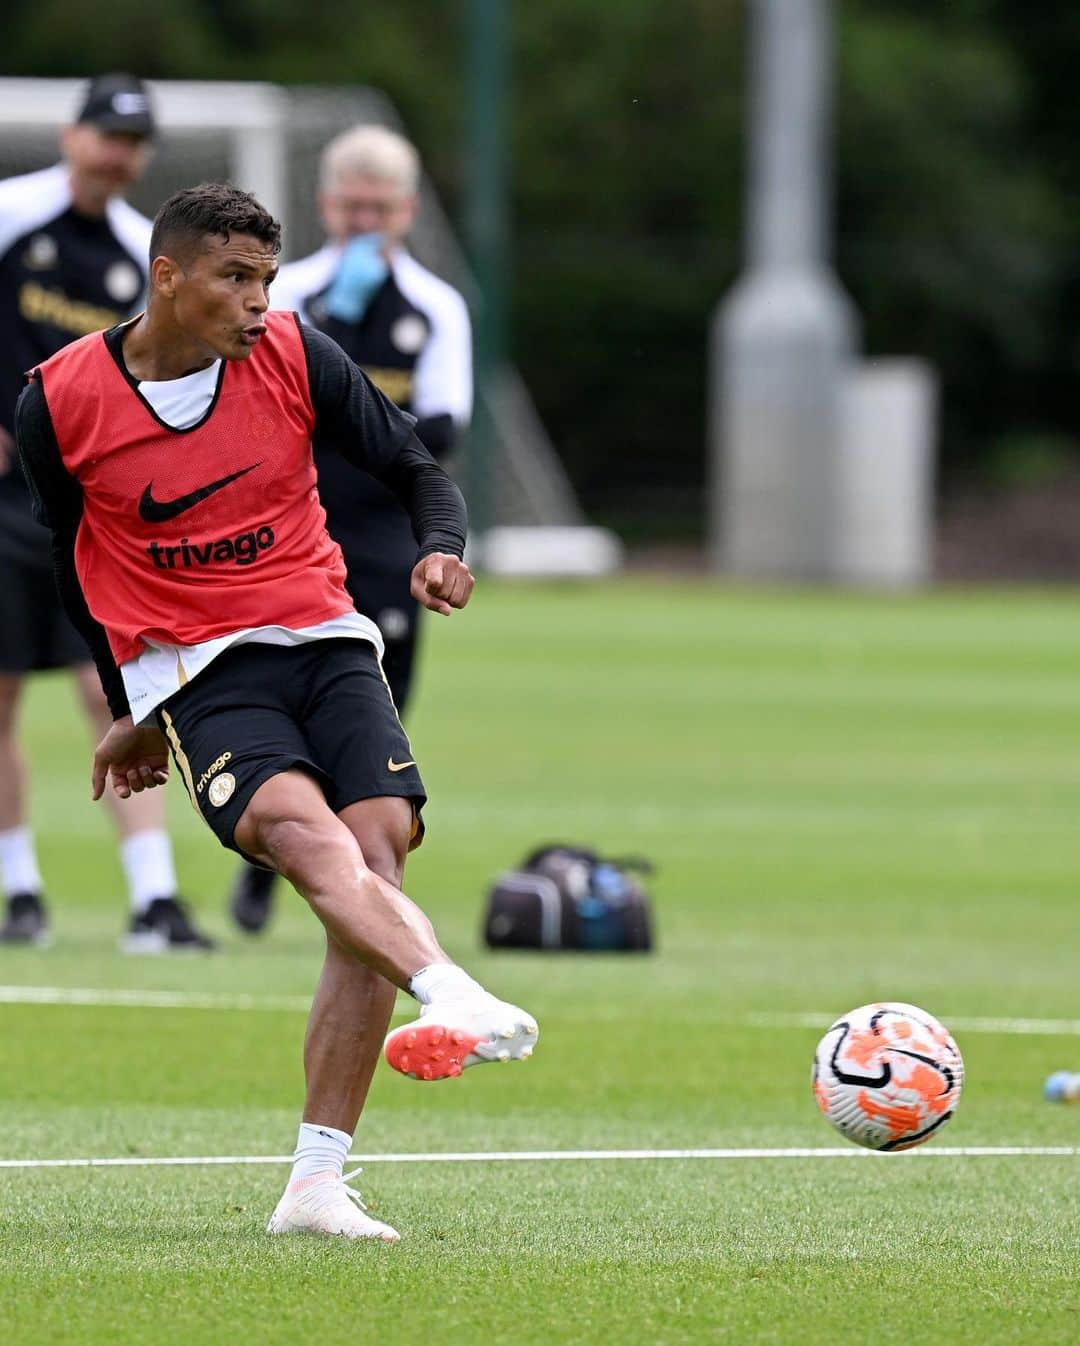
(363, 205)
(103, 163)
(220, 296)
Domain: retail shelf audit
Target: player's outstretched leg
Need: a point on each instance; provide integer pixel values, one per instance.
(289, 825)
(348, 869)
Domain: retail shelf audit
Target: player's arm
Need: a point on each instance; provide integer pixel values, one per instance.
(437, 434)
(135, 758)
(375, 435)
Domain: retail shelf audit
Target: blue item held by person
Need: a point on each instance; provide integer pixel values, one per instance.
(362, 271)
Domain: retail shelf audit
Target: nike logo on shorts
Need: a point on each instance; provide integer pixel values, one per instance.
(161, 511)
(398, 766)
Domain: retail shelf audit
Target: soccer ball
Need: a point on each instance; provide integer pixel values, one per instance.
(888, 1076)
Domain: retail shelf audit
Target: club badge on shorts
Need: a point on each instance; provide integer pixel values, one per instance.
(221, 789)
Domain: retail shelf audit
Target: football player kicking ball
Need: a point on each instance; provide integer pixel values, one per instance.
(171, 458)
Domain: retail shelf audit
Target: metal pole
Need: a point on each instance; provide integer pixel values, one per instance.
(788, 201)
(783, 340)
(486, 232)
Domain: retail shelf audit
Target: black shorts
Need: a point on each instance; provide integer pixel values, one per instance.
(258, 710)
(35, 633)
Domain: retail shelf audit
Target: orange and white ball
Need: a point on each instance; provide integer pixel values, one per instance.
(888, 1076)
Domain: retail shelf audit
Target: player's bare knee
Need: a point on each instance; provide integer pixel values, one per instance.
(304, 849)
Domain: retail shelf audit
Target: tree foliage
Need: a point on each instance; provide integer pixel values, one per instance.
(957, 183)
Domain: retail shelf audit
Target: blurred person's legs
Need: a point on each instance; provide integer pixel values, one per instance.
(36, 636)
(25, 919)
(160, 921)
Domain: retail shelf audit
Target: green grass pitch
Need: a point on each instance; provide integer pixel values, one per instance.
(848, 798)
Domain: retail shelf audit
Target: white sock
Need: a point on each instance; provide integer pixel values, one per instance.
(319, 1149)
(18, 862)
(148, 867)
(442, 981)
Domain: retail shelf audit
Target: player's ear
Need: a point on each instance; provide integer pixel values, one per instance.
(165, 275)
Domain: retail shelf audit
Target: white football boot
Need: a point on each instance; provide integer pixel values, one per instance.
(323, 1204)
(453, 1034)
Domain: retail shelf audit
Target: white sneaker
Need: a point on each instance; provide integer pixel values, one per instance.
(451, 1035)
(323, 1204)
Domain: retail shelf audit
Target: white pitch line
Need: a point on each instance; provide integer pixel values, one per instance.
(959, 1023)
(562, 1156)
(139, 999)
(213, 1000)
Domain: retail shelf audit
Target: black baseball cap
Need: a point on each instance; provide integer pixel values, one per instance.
(118, 102)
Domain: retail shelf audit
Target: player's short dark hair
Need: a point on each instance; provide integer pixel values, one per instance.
(213, 208)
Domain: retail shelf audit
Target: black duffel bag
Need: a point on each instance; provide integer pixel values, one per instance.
(566, 898)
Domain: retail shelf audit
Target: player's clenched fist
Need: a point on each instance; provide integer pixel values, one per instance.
(441, 582)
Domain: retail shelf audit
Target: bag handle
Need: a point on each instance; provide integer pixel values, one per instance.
(634, 862)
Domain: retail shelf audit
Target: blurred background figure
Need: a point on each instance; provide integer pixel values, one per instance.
(73, 260)
(409, 331)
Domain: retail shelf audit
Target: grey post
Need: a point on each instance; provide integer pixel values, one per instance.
(783, 339)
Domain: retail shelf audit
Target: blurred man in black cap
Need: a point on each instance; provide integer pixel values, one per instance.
(73, 260)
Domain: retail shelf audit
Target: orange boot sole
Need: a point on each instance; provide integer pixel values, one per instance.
(430, 1051)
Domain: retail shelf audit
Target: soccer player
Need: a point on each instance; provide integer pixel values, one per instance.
(171, 457)
(73, 259)
(409, 332)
